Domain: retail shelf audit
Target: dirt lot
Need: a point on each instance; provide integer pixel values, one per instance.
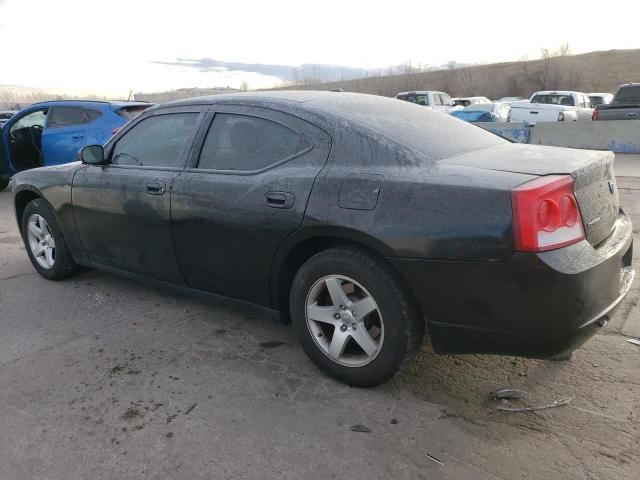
(107, 378)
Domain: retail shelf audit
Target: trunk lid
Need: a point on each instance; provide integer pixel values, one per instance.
(536, 112)
(592, 171)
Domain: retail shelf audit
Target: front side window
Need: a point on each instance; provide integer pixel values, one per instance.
(33, 119)
(68, 116)
(245, 143)
(157, 141)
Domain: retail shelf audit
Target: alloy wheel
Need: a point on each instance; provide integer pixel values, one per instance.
(344, 321)
(41, 242)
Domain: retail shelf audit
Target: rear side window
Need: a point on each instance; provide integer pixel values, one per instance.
(437, 99)
(156, 141)
(67, 116)
(245, 143)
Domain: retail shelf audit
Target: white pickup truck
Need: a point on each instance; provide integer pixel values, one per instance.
(439, 101)
(552, 106)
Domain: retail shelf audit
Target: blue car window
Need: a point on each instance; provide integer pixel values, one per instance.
(67, 116)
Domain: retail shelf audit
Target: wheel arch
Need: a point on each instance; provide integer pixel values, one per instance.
(301, 246)
(20, 201)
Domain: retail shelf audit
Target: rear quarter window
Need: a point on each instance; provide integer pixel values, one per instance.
(131, 113)
(433, 134)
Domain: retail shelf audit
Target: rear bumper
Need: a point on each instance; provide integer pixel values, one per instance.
(534, 305)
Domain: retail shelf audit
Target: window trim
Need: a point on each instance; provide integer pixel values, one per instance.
(186, 154)
(208, 123)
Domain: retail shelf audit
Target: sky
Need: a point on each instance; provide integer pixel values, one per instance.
(106, 46)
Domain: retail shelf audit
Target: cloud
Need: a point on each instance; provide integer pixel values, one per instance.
(283, 72)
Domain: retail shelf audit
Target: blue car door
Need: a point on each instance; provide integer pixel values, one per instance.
(66, 133)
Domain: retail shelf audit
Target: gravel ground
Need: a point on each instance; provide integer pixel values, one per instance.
(104, 377)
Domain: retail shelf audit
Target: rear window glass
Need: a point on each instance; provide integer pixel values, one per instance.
(420, 99)
(130, 113)
(429, 132)
(628, 95)
(566, 100)
(5, 116)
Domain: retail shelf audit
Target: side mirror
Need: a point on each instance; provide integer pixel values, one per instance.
(92, 155)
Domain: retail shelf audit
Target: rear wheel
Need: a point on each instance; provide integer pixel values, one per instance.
(354, 317)
(45, 243)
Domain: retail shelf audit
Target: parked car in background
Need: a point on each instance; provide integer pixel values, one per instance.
(439, 101)
(52, 133)
(484, 112)
(624, 106)
(466, 101)
(509, 99)
(298, 202)
(5, 115)
(552, 106)
(600, 99)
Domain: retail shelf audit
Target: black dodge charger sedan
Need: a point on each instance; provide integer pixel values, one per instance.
(361, 219)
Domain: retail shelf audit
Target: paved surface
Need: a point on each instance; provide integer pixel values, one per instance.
(105, 378)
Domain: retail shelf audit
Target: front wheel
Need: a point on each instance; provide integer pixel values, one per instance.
(354, 316)
(45, 243)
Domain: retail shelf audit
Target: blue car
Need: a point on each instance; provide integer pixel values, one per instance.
(52, 133)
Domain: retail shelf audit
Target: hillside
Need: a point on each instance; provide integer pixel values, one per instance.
(589, 72)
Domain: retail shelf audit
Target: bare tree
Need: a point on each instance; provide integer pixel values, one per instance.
(244, 86)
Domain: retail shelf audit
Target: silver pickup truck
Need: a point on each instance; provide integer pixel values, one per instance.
(624, 106)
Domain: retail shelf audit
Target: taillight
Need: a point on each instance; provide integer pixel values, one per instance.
(509, 116)
(561, 117)
(594, 115)
(546, 214)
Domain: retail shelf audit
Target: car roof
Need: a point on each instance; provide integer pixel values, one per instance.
(115, 103)
(422, 92)
(557, 92)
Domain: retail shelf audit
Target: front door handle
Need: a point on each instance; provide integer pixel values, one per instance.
(280, 199)
(156, 188)
(77, 137)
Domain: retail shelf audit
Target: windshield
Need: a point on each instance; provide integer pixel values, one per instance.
(554, 99)
(628, 95)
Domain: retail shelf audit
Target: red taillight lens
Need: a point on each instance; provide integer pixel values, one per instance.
(594, 115)
(545, 214)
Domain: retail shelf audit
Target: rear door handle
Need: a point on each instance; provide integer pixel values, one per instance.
(632, 114)
(280, 199)
(156, 188)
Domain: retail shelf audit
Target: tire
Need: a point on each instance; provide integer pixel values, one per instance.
(394, 324)
(62, 264)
